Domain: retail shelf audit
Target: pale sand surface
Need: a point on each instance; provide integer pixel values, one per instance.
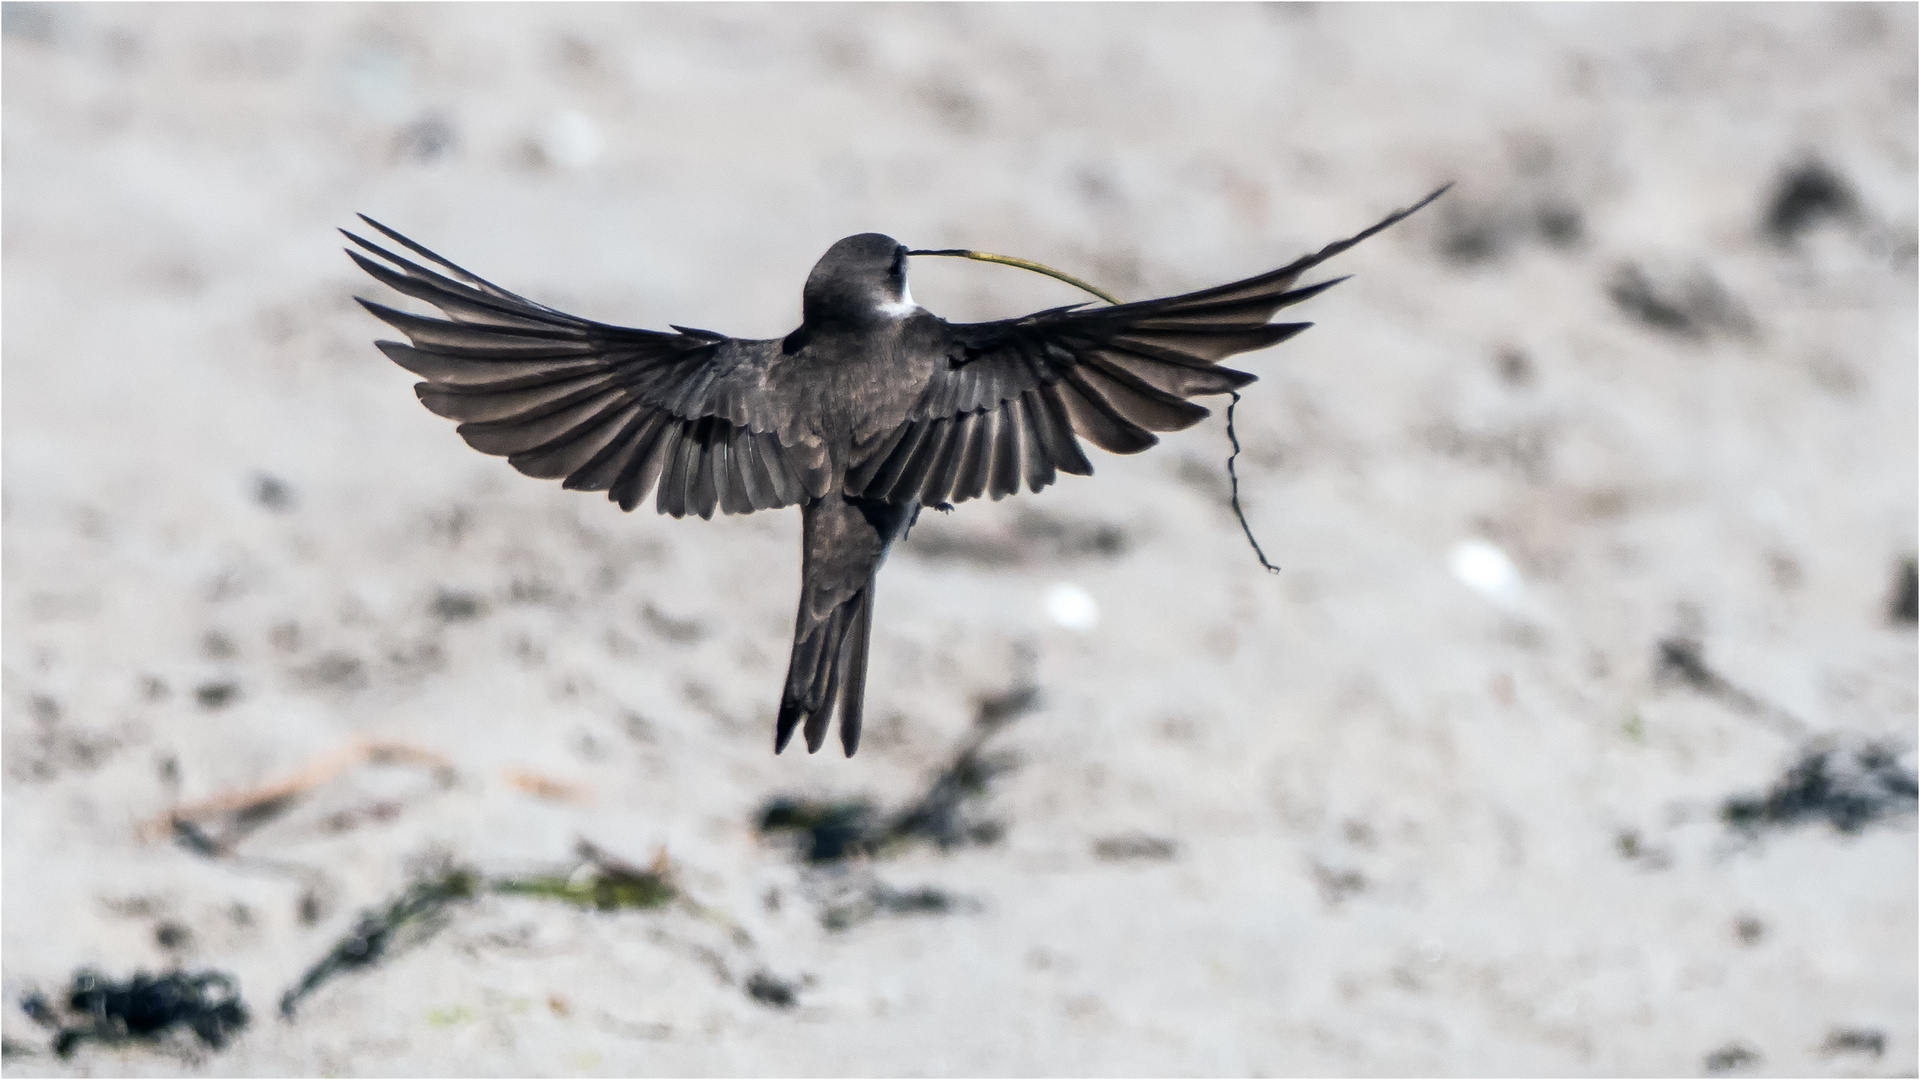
(1417, 831)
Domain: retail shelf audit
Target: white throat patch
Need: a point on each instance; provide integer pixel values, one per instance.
(902, 307)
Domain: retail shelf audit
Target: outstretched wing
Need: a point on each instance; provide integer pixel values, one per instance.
(606, 407)
(1007, 405)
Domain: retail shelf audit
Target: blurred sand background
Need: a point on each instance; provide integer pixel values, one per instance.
(1355, 819)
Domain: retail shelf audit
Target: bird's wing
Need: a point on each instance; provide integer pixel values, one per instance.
(1006, 404)
(606, 407)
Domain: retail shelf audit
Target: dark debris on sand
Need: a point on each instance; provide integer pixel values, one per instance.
(1683, 660)
(1731, 1058)
(600, 882)
(1694, 307)
(1134, 847)
(1806, 196)
(1903, 606)
(830, 834)
(1868, 1041)
(833, 830)
(874, 898)
(1847, 789)
(1471, 234)
(826, 831)
(144, 1008)
(771, 990)
(409, 919)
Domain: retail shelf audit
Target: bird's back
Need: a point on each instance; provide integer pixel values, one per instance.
(860, 386)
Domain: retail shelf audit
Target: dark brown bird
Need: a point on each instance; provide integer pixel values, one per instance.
(870, 410)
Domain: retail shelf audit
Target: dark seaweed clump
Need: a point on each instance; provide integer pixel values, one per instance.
(602, 883)
(1805, 197)
(1854, 1041)
(145, 1007)
(830, 832)
(827, 831)
(879, 898)
(769, 989)
(410, 918)
(1848, 791)
(1692, 308)
(1904, 605)
(833, 830)
(1730, 1057)
(1471, 234)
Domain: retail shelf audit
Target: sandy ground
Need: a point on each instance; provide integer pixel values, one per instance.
(1409, 827)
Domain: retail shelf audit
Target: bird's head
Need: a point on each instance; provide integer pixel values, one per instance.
(860, 281)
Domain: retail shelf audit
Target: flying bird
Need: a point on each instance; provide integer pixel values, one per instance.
(871, 409)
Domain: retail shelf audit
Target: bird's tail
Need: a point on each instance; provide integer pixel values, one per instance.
(844, 541)
(829, 665)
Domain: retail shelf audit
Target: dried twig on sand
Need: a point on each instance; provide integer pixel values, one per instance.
(247, 809)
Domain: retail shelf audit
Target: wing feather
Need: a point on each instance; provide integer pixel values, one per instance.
(563, 456)
(976, 458)
(623, 468)
(1004, 478)
(481, 342)
(1136, 400)
(946, 467)
(1093, 418)
(925, 452)
(486, 406)
(1252, 310)
(1173, 379)
(461, 373)
(890, 469)
(709, 470)
(647, 464)
(600, 472)
(876, 457)
(671, 498)
(604, 407)
(786, 487)
(462, 305)
(1210, 344)
(1018, 394)
(517, 435)
(1034, 460)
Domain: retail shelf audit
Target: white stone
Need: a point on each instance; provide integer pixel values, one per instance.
(1071, 606)
(1485, 569)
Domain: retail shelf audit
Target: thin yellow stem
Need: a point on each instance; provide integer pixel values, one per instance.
(1025, 264)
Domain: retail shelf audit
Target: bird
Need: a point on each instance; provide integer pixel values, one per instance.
(870, 410)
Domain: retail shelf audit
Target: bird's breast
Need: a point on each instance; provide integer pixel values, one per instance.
(855, 387)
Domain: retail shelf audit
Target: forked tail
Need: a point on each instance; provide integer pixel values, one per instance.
(829, 666)
(844, 540)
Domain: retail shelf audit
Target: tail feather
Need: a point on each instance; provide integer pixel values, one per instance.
(828, 668)
(853, 692)
(844, 541)
(823, 716)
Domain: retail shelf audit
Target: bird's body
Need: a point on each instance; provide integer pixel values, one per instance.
(869, 410)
